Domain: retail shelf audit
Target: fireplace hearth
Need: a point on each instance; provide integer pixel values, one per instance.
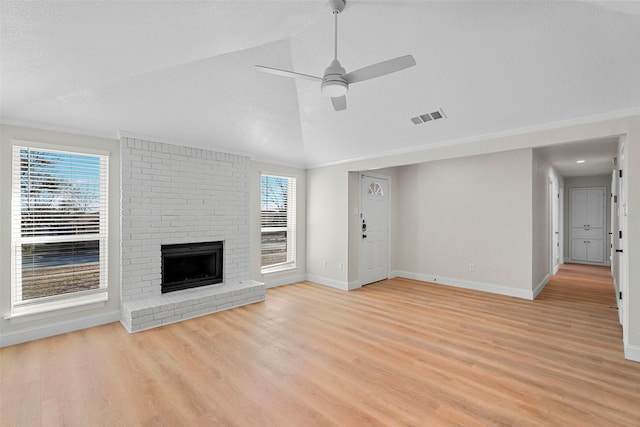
(191, 265)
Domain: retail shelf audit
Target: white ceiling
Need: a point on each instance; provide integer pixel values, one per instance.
(182, 71)
(597, 155)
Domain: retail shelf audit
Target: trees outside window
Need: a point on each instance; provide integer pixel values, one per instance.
(59, 225)
(278, 221)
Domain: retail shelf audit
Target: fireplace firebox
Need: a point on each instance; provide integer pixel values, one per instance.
(191, 265)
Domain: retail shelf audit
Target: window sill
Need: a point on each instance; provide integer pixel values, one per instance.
(278, 269)
(55, 308)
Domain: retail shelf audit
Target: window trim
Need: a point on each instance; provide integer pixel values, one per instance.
(291, 228)
(95, 298)
(50, 305)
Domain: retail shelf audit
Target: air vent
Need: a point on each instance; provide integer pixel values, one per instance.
(423, 118)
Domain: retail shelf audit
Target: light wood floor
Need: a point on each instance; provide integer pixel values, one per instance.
(398, 352)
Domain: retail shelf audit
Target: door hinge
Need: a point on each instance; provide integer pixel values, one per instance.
(620, 234)
(615, 198)
(620, 295)
(619, 250)
(620, 173)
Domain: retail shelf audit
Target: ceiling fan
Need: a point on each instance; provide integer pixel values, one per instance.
(335, 81)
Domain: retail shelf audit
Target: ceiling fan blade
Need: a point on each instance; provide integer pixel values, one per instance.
(339, 103)
(286, 73)
(380, 69)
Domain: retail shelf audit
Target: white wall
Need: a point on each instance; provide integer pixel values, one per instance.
(299, 272)
(472, 210)
(327, 226)
(355, 227)
(540, 222)
(60, 321)
(585, 182)
(405, 216)
(543, 175)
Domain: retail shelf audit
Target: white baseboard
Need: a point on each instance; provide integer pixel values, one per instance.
(632, 352)
(354, 285)
(602, 264)
(44, 331)
(343, 286)
(285, 281)
(458, 283)
(540, 286)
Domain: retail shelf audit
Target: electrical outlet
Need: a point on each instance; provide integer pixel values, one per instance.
(340, 266)
(323, 263)
(472, 267)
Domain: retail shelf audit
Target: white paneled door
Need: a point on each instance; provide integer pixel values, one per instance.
(587, 216)
(374, 231)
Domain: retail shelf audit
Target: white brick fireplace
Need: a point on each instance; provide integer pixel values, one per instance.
(172, 195)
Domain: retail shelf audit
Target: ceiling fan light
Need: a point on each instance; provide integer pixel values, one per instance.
(334, 88)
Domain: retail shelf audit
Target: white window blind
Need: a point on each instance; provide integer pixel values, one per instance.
(278, 221)
(59, 226)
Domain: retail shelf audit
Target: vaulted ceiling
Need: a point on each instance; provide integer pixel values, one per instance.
(182, 71)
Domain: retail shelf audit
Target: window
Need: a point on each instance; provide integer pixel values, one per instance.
(277, 222)
(375, 189)
(59, 229)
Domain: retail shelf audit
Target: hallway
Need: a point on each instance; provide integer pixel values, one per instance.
(581, 281)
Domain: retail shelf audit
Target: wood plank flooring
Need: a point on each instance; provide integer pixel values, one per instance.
(398, 352)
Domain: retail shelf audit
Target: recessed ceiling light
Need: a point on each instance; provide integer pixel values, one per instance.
(580, 161)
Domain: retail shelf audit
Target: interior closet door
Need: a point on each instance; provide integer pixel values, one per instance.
(587, 208)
